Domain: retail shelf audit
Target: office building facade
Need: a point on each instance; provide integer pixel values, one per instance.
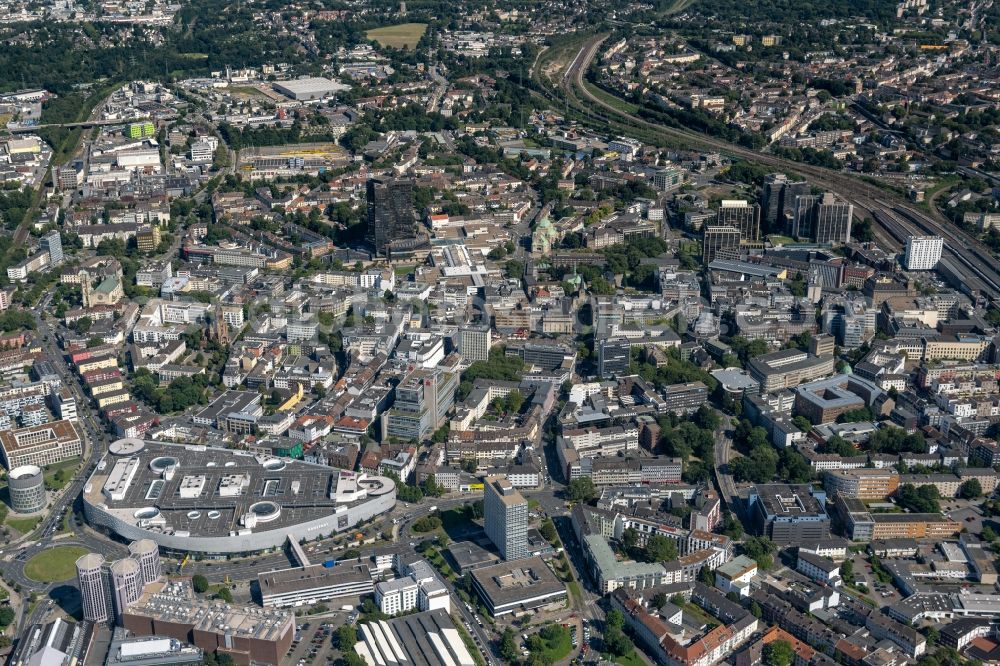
(94, 599)
(423, 399)
(108, 589)
(474, 342)
(923, 252)
(26, 487)
(613, 356)
(823, 219)
(390, 213)
(720, 240)
(740, 215)
(505, 513)
(52, 243)
(779, 200)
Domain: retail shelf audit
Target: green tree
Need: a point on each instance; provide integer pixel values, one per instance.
(761, 549)
(732, 527)
(427, 524)
(802, 423)
(548, 531)
(6, 615)
(630, 538)
(508, 646)
(352, 659)
(615, 640)
(514, 401)
(661, 549)
(199, 583)
(432, 488)
(581, 489)
(779, 653)
(855, 415)
(919, 500)
(847, 571)
(346, 637)
(970, 489)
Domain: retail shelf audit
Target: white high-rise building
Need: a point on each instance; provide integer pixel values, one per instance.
(475, 341)
(505, 518)
(93, 592)
(108, 589)
(923, 252)
(147, 554)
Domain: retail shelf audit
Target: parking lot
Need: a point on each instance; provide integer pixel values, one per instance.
(884, 594)
(313, 644)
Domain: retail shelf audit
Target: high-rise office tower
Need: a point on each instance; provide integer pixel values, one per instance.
(778, 201)
(613, 356)
(505, 515)
(423, 399)
(823, 219)
(474, 342)
(833, 220)
(107, 589)
(125, 584)
(718, 240)
(390, 213)
(52, 242)
(741, 215)
(93, 590)
(923, 252)
(147, 554)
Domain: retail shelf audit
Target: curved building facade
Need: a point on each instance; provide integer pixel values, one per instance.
(218, 501)
(126, 584)
(147, 554)
(93, 593)
(27, 489)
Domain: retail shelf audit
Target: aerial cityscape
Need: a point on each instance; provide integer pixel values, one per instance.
(515, 333)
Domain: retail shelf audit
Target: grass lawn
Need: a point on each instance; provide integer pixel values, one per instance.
(402, 36)
(556, 647)
(608, 98)
(574, 589)
(54, 564)
(59, 474)
(631, 659)
(459, 516)
(23, 525)
(777, 239)
(695, 610)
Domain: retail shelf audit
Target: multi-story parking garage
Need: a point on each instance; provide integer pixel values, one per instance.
(218, 501)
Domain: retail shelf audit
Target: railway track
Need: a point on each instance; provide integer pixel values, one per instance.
(968, 255)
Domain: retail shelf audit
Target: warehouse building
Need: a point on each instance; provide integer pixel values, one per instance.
(422, 639)
(309, 89)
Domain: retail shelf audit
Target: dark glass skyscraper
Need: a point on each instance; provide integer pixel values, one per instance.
(390, 213)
